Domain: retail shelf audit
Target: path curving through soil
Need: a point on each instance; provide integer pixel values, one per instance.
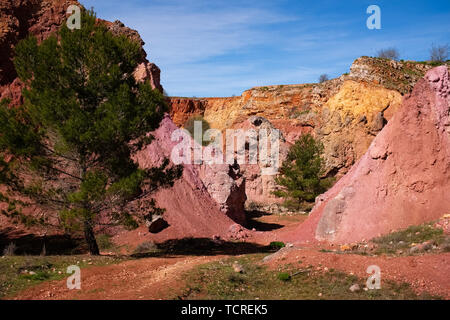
(141, 279)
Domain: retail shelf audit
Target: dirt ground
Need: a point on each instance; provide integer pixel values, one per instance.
(149, 279)
(429, 272)
(161, 277)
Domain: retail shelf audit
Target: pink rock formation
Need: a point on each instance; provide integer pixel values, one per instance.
(194, 207)
(259, 187)
(191, 208)
(403, 179)
(227, 188)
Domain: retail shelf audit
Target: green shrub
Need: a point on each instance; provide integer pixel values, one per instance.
(277, 245)
(284, 276)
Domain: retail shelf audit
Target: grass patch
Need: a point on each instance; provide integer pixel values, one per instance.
(284, 276)
(104, 242)
(405, 239)
(218, 280)
(20, 272)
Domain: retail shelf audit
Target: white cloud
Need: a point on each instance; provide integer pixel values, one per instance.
(177, 34)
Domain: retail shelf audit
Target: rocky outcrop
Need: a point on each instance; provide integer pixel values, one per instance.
(227, 187)
(404, 177)
(194, 207)
(400, 76)
(258, 186)
(145, 71)
(350, 120)
(41, 18)
(18, 18)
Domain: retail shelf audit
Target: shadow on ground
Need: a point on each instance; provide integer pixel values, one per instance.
(29, 244)
(203, 247)
(252, 223)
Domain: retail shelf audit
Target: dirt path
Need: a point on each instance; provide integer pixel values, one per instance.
(149, 278)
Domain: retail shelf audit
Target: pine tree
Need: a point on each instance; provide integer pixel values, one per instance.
(83, 117)
(301, 173)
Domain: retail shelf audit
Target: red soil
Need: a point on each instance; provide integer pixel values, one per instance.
(424, 273)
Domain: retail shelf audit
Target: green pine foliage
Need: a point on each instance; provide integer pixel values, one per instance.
(83, 117)
(301, 173)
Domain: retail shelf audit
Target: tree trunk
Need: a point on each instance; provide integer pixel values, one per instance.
(90, 238)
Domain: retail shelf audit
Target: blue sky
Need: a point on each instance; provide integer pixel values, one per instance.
(221, 48)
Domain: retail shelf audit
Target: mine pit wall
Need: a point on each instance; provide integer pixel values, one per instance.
(344, 114)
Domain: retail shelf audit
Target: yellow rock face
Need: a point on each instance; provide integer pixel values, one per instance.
(358, 99)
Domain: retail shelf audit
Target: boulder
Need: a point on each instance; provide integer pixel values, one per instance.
(157, 224)
(228, 190)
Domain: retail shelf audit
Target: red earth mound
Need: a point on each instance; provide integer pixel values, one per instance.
(403, 179)
(191, 210)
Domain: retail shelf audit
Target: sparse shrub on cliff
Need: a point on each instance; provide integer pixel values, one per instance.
(389, 53)
(301, 173)
(83, 117)
(277, 245)
(440, 53)
(323, 77)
